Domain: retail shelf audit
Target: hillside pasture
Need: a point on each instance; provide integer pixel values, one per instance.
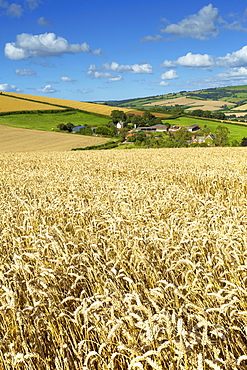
(48, 122)
(22, 140)
(211, 105)
(237, 131)
(124, 260)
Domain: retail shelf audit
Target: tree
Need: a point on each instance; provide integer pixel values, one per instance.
(244, 141)
(117, 116)
(221, 134)
(104, 131)
(182, 136)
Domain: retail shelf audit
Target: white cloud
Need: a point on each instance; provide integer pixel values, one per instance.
(86, 91)
(133, 68)
(163, 83)
(115, 78)
(48, 89)
(33, 4)
(66, 79)
(169, 75)
(230, 60)
(151, 38)
(47, 44)
(235, 26)
(116, 67)
(168, 64)
(9, 88)
(25, 72)
(198, 26)
(15, 10)
(42, 21)
(141, 68)
(195, 60)
(236, 59)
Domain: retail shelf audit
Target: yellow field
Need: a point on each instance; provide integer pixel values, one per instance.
(8, 104)
(124, 260)
(195, 103)
(241, 107)
(23, 140)
(88, 107)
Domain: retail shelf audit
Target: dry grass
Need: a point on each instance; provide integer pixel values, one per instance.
(9, 104)
(87, 107)
(194, 103)
(124, 260)
(24, 140)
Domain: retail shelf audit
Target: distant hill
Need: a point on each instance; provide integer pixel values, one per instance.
(230, 100)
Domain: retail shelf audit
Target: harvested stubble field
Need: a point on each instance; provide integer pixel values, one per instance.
(23, 140)
(194, 103)
(124, 260)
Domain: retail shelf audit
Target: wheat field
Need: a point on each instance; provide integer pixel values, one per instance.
(124, 260)
(87, 107)
(10, 104)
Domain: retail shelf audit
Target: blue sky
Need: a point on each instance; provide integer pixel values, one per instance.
(92, 50)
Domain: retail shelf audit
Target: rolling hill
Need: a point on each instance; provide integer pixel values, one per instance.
(230, 100)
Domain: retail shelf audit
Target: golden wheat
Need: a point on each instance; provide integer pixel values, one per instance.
(10, 104)
(88, 107)
(119, 260)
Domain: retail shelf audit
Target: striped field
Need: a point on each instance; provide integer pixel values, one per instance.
(23, 140)
(87, 107)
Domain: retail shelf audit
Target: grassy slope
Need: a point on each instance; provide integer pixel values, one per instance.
(236, 131)
(49, 121)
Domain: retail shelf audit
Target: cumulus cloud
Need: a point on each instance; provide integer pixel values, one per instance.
(141, 68)
(9, 88)
(48, 89)
(119, 68)
(198, 26)
(13, 10)
(195, 60)
(163, 83)
(25, 72)
(66, 79)
(169, 75)
(236, 59)
(42, 21)
(94, 73)
(47, 44)
(116, 67)
(230, 60)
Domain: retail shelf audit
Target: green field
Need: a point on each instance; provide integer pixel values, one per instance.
(49, 121)
(237, 131)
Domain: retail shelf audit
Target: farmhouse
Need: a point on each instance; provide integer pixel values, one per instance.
(154, 128)
(193, 128)
(208, 139)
